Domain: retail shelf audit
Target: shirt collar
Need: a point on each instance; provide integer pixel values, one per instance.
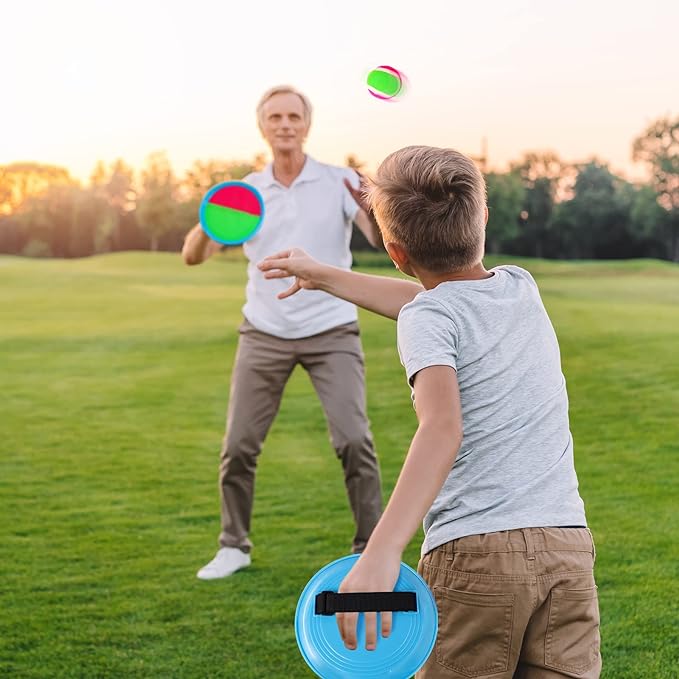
(310, 172)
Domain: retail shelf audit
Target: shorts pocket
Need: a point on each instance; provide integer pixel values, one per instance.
(572, 641)
(475, 631)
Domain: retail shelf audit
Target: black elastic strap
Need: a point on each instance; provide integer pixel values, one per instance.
(329, 603)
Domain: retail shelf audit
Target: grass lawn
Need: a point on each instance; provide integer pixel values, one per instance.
(115, 376)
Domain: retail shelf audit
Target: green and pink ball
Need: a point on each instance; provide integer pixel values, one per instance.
(386, 83)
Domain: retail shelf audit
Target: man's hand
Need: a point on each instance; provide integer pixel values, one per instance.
(371, 573)
(198, 246)
(359, 194)
(365, 219)
(295, 262)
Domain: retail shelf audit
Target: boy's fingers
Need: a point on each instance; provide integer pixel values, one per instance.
(339, 619)
(349, 626)
(370, 631)
(386, 623)
(295, 287)
(273, 262)
(278, 273)
(283, 254)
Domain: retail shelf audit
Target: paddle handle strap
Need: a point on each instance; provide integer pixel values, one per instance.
(329, 603)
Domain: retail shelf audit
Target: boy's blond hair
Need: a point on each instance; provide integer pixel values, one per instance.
(432, 201)
(283, 89)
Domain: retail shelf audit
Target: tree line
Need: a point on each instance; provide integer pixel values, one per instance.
(542, 206)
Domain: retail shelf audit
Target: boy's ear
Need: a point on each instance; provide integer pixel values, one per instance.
(485, 221)
(398, 255)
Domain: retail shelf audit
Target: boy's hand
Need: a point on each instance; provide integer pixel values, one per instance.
(371, 573)
(293, 262)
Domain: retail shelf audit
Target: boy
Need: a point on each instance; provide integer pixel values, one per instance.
(490, 469)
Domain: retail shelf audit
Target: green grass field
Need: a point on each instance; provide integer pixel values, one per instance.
(115, 375)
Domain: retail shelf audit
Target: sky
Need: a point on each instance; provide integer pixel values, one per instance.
(88, 80)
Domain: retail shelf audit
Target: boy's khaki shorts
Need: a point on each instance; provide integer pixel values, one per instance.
(519, 603)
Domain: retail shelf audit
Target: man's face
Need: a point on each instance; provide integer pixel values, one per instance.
(283, 124)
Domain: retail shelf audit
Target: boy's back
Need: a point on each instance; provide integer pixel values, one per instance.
(515, 466)
(490, 468)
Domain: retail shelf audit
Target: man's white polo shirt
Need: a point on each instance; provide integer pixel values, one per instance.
(314, 213)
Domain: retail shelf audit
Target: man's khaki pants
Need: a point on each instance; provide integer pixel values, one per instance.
(334, 361)
(519, 604)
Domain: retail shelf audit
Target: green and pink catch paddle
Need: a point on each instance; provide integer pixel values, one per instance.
(231, 212)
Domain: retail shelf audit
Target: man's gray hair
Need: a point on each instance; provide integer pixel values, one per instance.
(283, 89)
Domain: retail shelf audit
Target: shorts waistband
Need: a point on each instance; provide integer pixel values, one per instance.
(548, 539)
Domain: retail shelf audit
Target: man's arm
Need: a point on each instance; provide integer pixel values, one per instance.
(364, 218)
(368, 227)
(198, 246)
(430, 458)
(380, 294)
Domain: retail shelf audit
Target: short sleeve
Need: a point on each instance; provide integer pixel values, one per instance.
(518, 272)
(349, 205)
(427, 336)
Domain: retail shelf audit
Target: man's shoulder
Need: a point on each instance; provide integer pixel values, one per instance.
(255, 178)
(335, 171)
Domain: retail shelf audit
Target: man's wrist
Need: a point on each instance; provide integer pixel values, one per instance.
(200, 234)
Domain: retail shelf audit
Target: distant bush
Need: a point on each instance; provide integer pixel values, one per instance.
(36, 248)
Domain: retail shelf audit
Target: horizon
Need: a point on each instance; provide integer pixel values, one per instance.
(125, 81)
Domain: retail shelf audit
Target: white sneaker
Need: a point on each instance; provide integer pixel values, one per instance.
(227, 561)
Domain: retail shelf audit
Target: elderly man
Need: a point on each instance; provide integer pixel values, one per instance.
(312, 205)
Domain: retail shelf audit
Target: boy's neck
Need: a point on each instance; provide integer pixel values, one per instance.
(430, 280)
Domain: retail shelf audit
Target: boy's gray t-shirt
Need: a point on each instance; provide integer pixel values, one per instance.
(515, 466)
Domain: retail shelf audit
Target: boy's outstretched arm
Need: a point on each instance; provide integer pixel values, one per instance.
(381, 294)
(431, 457)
